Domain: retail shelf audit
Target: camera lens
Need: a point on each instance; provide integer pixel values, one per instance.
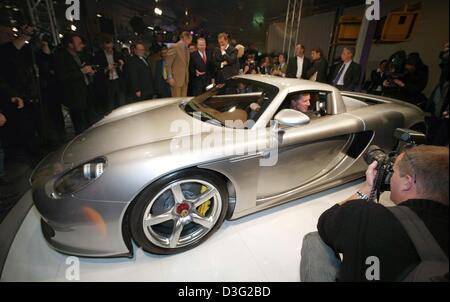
(375, 153)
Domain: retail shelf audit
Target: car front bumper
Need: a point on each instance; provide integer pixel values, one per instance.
(74, 226)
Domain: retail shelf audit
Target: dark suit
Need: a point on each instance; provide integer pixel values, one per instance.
(321, 67)
(139, 78)
(111, 92)
(229, 70)
(162, 88)
(293, 68)
(74, 87)
(199, 83)
(352, 77)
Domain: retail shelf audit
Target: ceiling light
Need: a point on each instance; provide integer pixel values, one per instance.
(158, 11)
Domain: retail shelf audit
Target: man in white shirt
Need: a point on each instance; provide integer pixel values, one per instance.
(348, 74)
(299, 65)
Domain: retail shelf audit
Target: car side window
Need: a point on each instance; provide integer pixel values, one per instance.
(319, 101)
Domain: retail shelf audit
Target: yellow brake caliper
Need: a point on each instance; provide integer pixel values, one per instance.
(203, 209)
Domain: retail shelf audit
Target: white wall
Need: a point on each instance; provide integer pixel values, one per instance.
(432, 32)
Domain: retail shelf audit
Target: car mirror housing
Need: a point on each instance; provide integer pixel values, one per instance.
(292, 118)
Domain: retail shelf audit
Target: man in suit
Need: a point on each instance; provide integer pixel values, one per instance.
(281, 68)
(72, 75)
(200, 68)
(348, 74)
(318, 71)
(226, 59)
(177, 63)
(109, 79)
(162, 88)
(299, 65)
(139, 75)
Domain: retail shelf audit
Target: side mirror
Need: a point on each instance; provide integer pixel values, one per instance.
(292, 118)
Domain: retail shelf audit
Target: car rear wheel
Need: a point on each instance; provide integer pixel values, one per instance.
(179, 212)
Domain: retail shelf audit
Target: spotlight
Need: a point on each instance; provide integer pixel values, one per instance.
(73, 27)
(158, 11)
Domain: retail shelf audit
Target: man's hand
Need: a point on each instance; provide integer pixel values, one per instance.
(111, 67)
(172, 82)
(138, 94)
(198, 73)
(399, 83)
(445, 115)
(87, 70)
(366, 189)
(18, 102)
(3, 120)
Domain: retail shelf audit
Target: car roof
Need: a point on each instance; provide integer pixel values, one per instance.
(287, 83)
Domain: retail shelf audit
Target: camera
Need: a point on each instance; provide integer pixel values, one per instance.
(406, 138)
(395, 68)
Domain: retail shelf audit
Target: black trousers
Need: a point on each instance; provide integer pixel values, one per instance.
(115, 94)
(198, 85)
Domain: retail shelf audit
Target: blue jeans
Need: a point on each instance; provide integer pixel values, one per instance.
(2, 159)
(319, 262)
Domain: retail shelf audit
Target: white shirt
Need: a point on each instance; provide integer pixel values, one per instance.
(112, 74)
(300, 67)
(340, 82)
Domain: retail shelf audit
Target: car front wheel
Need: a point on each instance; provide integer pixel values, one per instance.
(179, 212)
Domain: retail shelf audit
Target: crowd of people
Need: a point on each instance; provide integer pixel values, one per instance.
(37, 82)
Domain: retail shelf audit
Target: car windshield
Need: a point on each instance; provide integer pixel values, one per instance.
(237, 100)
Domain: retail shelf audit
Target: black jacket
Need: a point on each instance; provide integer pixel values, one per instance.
(321, 67)
(71, 80)
(352, 76)
(139, 78)
(229, 70)
(101, 60)
(361, 229)
(162, 88)
(293, 66)
(198, 84)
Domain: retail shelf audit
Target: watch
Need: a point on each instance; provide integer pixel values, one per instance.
(362, 196)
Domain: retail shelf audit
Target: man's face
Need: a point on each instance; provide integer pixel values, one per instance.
(223, 42)
(281, 59)
(315, 55)
(139, 50)
(201, 45)
(77, 44)
(192, 48)
(108, 47)
(302, 104)
(346, 55)
(410, 68)
(299, 51)
(187, 41)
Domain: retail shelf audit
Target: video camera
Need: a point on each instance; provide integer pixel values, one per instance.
(406, 139)
(395, 68)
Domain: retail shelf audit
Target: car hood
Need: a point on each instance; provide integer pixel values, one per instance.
(126, 131)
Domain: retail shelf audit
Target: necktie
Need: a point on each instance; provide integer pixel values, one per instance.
(336, 80)
(165, 77)
(204, 57)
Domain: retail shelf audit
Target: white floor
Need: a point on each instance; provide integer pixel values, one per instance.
(261, 247)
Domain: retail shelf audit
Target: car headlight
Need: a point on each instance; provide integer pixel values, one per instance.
(79, 177)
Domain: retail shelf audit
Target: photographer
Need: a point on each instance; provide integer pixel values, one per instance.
(409, 85)
(360, 229)
(250, 65)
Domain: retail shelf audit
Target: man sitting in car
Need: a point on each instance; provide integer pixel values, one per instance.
(302, 102)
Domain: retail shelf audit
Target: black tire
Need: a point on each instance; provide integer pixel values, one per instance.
(145, 198)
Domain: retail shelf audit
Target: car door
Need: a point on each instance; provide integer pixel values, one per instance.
(307, 153)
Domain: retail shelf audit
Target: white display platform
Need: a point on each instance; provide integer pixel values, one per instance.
(262, 247)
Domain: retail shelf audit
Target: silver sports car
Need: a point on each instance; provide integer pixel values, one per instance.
(167, 173)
